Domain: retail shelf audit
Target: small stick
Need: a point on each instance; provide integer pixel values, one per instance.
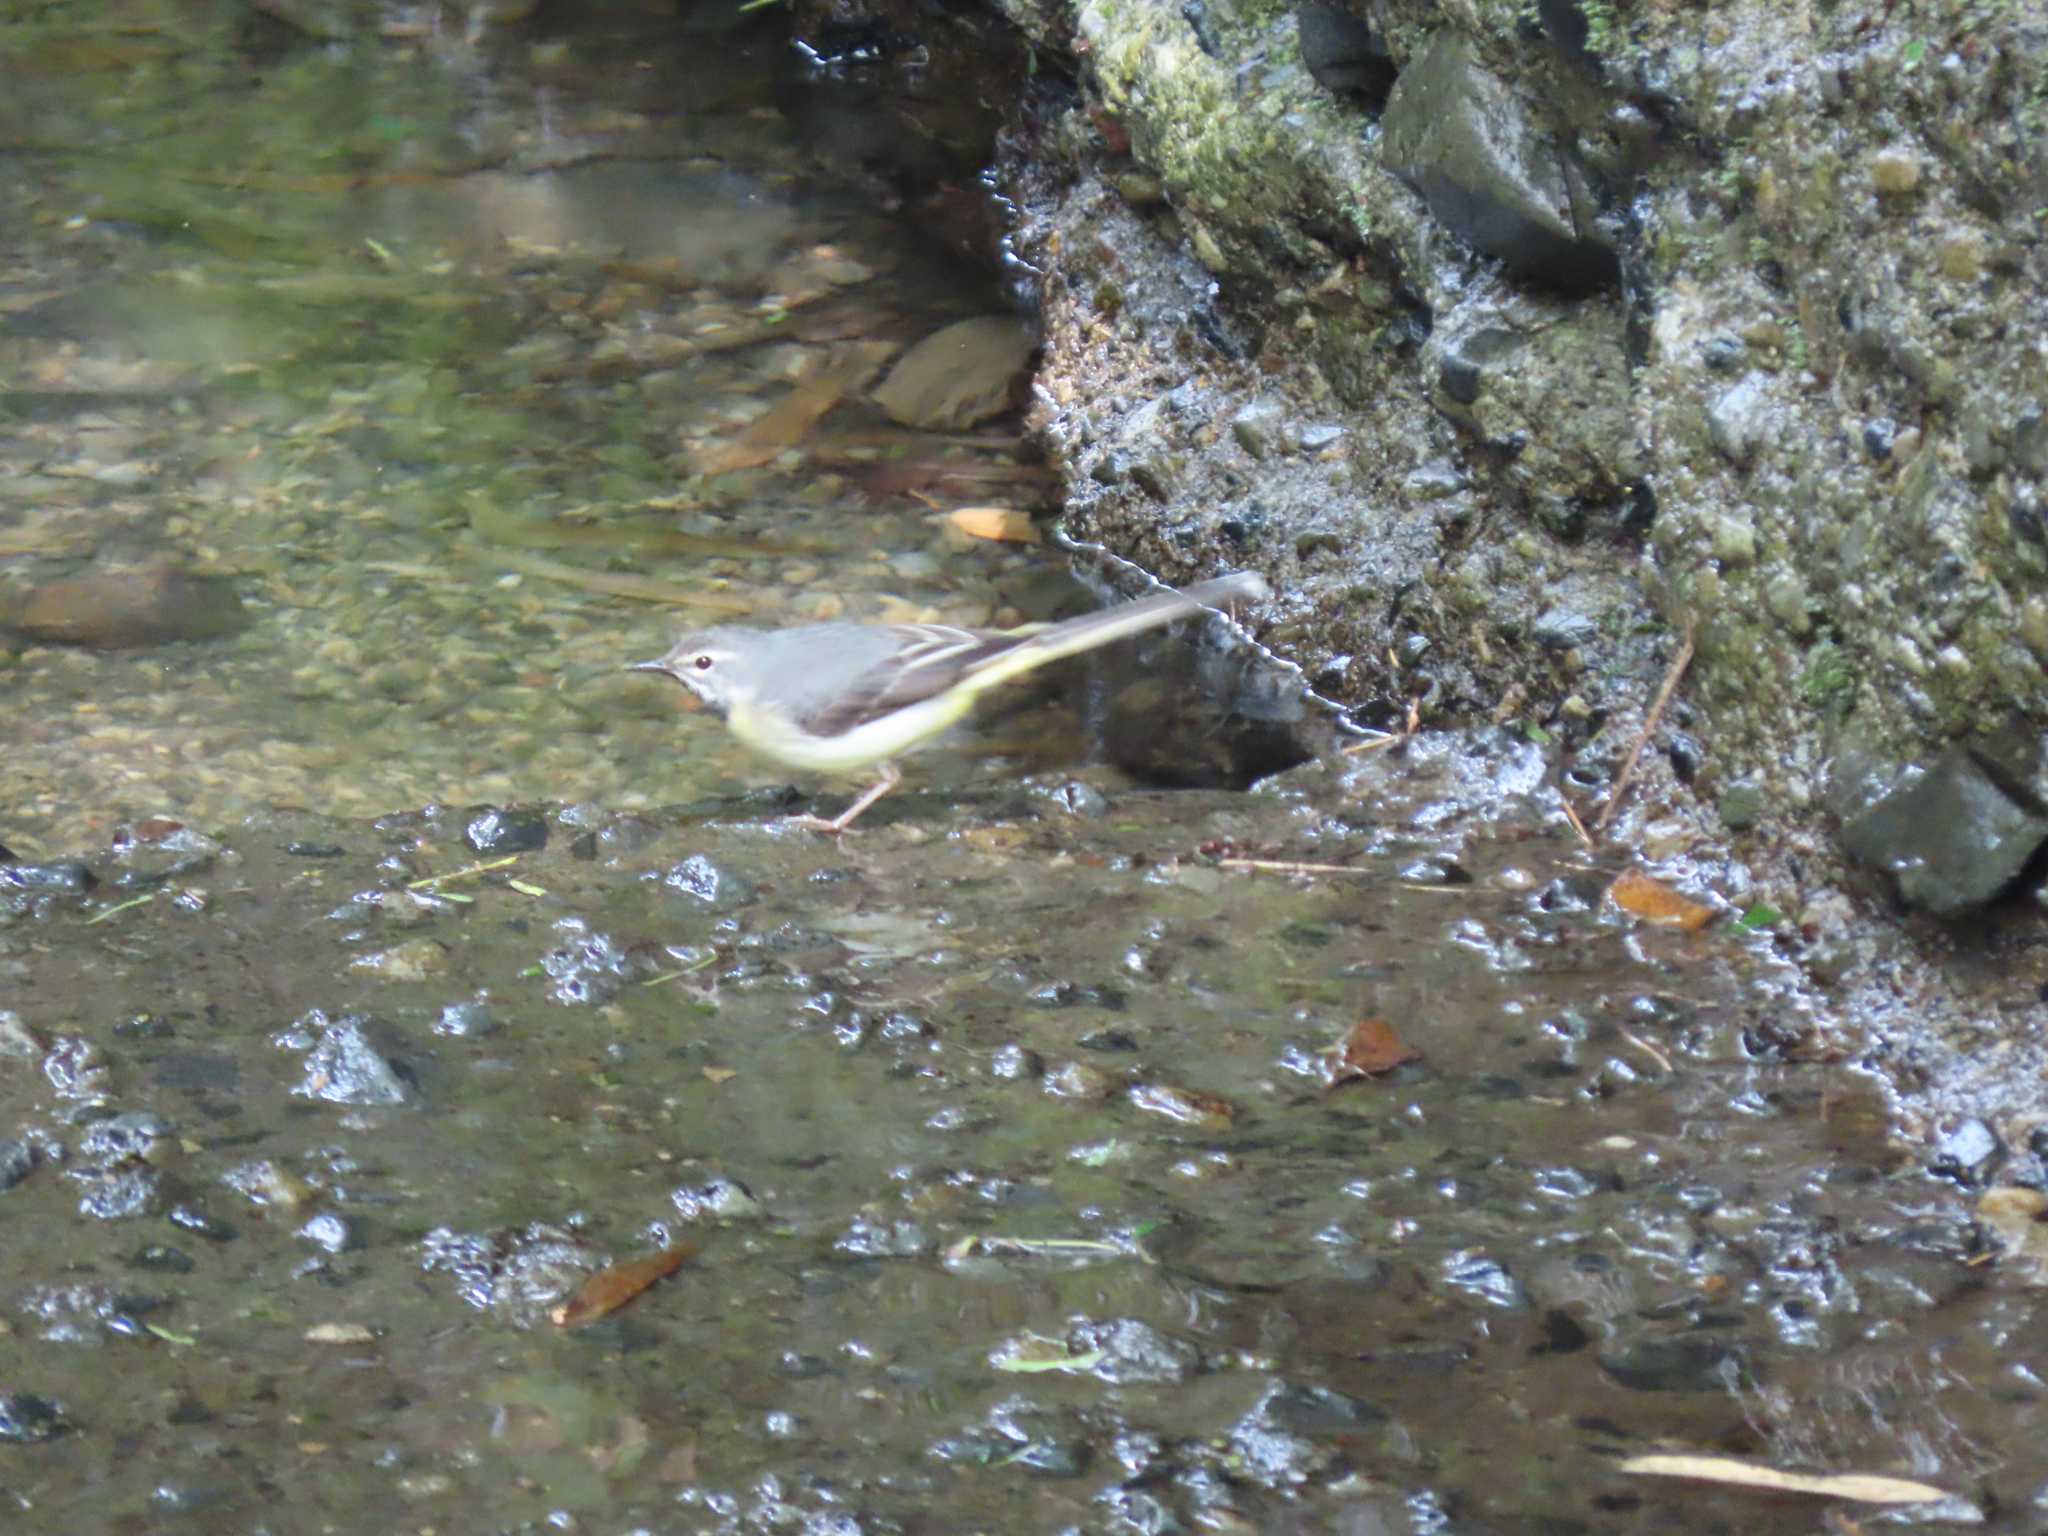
(1628, 768)
(1578, 826)
(1291, 867)
(1650, 1051)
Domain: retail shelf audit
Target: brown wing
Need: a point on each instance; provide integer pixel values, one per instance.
(925, 659)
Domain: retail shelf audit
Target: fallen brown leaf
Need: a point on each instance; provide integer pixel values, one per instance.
(1653, 901)
(610, 1289)
(1003, 525)
(1371, 1049)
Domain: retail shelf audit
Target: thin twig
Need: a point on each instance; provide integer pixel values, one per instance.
(1578, 826)
(1650, 1051)
(1291, 867)
(1628, 769)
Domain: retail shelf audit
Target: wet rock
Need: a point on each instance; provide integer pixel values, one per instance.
(1465, 141)
(157, 848)
(123, 1138)
(1467, 354)
(1740, 804)
(1969, 1153)
(1951, 838)
(162, 1259)
(117, 1194)
(17, 1161)
(501, 831)
(345, 1068)
(703, 881)
(1135, 1351)
(69, 878)
(1013, 1062)
(1486, 1280)
(266, 1184)
(414, 960)
(1686, 1363)
(1308, 1410)
(471, 1020)
(956, 377)
(1049, 1442)
(1738, 422)
(871, 1239)
(1342, 54)
(331, 1233)
(590, 968)
(75, 1068)
(1257, 426)
(202, 1223)
(1164, 731)
(26, 1419)
(516, 1273)
(1562, 629)
(716, 1199)
(1273, 1453)
(1078, 1080)
(116, 610)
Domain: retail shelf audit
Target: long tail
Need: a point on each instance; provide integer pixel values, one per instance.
(1093, 629)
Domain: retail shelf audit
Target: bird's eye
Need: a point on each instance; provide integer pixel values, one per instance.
(702, 663)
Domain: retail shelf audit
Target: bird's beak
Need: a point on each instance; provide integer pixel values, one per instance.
(649, 666)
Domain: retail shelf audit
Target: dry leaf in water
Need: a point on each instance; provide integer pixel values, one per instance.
(1655, 902)
(610, 1289)
(1863, 1487)
(1003, 525)
(1371, 1049)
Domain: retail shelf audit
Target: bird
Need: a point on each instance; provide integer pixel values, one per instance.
(842, 696)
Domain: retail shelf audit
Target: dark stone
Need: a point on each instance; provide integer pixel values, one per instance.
(703, 880)
(1342, 53)
(1878, 436)
(468, 1020)
(1951, 839)
(1687, 1363)
(1108, 1040)
(1560, 1334)
(1724, 354)
(1564, 629)
(302, 850)
(26, 1419)
(193, 1219)
(1308, 1410)
(17, 1159)
(1466, 359)
(1466, 142)
(499, 831)
(162, 1259)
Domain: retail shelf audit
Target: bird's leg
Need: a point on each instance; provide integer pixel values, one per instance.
(891, 777)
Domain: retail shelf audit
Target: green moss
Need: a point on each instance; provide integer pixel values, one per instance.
(1829, 681)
